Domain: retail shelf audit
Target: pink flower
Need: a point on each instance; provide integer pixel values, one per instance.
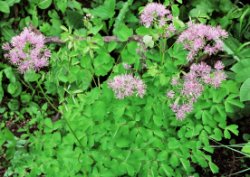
(199, 37)
(170, 30)
(191, 86)
(210, 50)
(170, 94)
(127, 85)
(174, 81)
(126, 66)
(6, 46)
(27, 51)
(219, 65)
(184, 110)
(219, 76)
(154, 12)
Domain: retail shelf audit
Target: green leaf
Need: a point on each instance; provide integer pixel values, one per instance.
(175, 10)
(245, 91)
(122, 142)
(10, 74)
(199, 156)
(1, 88)
(203, 137)
(13, 105)
(61, 4)
(105, 11)
(233, 128)
(99, 110)
(185, 164)
(4, 7)
(48, 123)
(246, 148)
(119, 108)
(217, 134)
(167, 170)
(14, 88)
(173, 143)
(25, 97)
(129, 54)
(12, 2)
(44, 4)
(31, 76)
(208, 119)
(158, 120)
(103, 64)
(123, 32)
(227, 135)
(214, 168)
(174, 160)
(231, 102)
(144, 31)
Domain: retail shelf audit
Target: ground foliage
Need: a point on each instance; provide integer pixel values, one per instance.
(65, 120)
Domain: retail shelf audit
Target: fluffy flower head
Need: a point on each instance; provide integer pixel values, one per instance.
(202, 38)
(127, 85)
(154, 12)
(27, 51)
(191, 86)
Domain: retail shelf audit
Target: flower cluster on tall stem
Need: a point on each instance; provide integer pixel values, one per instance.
(155, 13)
(127, 85)
(191, 86)
(202, 38)
(27, 51)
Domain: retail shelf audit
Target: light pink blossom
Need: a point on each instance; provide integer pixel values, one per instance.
(202, 38)
(191, 86)
(170, 94)
(27, 51)
(154, 12)
(219, 65)
(127, 85)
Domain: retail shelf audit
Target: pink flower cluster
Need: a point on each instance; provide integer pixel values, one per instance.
(155, 12)
(27, 51)
(127, 85)
(192, 86)
(202, 38)
(170, 30)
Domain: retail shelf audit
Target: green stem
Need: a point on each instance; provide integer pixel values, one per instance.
(163, 51)
(28, 86)
(231, 148)
(45, 96)
(67, 122)
(73, 133)
(98, 80)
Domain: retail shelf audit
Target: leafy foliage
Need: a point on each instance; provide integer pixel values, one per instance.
(65, 121)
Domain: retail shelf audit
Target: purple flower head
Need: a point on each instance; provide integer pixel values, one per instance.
(183, 110)
(170, 30)
(200, 69)
(219, 65)
(6, 46)
(217, 79)
(126, 66)
(202, 38)
(170, 94)
(191, 86)
(174, 81)
(154, 12)
(27, 51)
(127, 85)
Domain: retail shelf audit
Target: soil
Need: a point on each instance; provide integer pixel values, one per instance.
(228, 161)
